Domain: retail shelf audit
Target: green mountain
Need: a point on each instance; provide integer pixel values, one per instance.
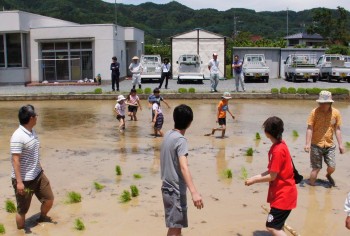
(165, 20)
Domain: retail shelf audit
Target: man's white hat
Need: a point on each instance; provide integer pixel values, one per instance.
(215, 54)
(325, 97)
(135, 58)
(121, 98)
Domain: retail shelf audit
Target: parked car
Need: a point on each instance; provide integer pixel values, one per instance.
(151, 67)
(301, 67)
(254, 68)
(189, 68)
(333, 67)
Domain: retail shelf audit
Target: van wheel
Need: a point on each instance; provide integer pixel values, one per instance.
(267, 80)
(329, 78)
(348, 80)
(314, 79)
(178, 81)
(294, 78)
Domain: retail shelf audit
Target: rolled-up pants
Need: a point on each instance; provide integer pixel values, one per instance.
(136, 79)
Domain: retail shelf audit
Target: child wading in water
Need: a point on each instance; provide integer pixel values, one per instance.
(282, 194)
(133, 102)
(120, 108)
(158, 119)
(221, 115)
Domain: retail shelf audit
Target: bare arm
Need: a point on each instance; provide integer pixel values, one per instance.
(139, 104)
(263, 177)
(155, 115)
(339, 139)
(17, 169)
(231, 114)
(166, 103)
(308, 138)
(196, 197)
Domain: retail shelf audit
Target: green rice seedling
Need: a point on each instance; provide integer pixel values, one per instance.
(79, 224)
(98, 186)
(148, 91)
(134, 191)
(118, 170)
(257, 136)
(98, 91)
(249, 152)
(125, 197)
(295, 133)
(244, 173)
(10, 206)
(2, 229)
(74, 197)
(137, 176)
(228, 173)
(191, 90)
(347, 144)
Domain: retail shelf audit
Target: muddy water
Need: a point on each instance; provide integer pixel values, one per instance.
(80, 144)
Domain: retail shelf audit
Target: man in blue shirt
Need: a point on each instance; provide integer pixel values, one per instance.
(237, 72)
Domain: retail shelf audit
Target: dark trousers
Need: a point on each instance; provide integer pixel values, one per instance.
(115, 81)
(165, 76)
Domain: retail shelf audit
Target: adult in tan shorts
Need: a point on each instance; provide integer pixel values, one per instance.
(324, 121)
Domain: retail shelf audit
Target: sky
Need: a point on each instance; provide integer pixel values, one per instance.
(257, 5)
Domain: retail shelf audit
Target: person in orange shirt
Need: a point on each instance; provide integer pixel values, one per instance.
(323, 122)
(221, 115)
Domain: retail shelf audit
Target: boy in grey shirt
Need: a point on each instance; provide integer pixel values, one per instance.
(175, 173)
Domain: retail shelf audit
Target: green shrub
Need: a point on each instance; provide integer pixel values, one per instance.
(182, 90)
(295, 133)
(274, 90)
(134, 191)
(244, 173)
(283, 90)
(2, 229)
(313, 91)
(191, 90)
(228, 173)
(98, 186)
(257, 136)
(148, 90)
(347, 144)
(338, 91)
(118, 170)
(292, 90)
(10, 206)
(125, 197)
(137, 176)
(139, 91)
(98, 91)
(249, 152)
(301, 91)
(79, 225)
(74, 197)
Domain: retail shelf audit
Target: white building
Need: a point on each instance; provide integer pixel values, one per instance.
(34, 48)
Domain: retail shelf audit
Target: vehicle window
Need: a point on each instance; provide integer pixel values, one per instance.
(328, 59)
(320, 60)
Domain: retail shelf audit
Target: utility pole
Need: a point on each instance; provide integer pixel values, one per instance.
(287, 23)
(115, 17)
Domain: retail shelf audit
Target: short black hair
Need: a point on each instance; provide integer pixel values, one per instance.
(274, 126)
(183, 116)
(133, 90)
(25, 113)
(236, 56)
(156, 90)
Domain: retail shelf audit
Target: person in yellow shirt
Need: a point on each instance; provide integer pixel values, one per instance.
(323, 122)
(221, 115)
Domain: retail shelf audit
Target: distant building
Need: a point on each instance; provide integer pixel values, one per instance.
(34, 48)
(309, 40)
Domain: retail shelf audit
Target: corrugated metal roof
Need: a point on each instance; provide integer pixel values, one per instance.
(304, 36)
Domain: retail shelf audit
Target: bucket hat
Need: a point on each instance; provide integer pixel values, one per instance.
(325, 97)
(121, 98)
(226, 95)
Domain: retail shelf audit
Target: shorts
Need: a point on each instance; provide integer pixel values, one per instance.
(222, 121)
(120, 117)
(159, 121)
(317, 154)
(132, 108)
(276, 218)
(175, 207)
(40, 186)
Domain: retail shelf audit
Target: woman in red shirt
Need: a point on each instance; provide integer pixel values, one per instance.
(282, 194)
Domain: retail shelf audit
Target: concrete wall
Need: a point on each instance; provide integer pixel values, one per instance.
(14, 76)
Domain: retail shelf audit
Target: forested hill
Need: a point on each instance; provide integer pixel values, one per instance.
(165, 20)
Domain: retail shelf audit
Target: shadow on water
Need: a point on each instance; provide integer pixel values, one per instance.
(261, 233)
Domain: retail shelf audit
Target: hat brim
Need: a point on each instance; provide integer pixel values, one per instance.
(226, 97)
(121, 99)
(135, 58)
(324, 101)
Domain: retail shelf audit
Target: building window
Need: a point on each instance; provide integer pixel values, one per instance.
(14, 50)
(2, 51)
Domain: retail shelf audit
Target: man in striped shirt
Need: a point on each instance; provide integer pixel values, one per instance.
(27, 174)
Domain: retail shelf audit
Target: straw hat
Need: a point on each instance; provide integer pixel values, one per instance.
(121, 98)
(325, 97)
(226, 95)
(215, 54)
(135, 58)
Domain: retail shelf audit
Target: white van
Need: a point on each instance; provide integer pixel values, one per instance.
(151, 67)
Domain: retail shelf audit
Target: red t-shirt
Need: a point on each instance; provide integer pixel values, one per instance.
(282, 191)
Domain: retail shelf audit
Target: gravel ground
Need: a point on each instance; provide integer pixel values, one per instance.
(125, 86)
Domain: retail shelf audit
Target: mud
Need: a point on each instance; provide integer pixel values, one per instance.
(80, 144)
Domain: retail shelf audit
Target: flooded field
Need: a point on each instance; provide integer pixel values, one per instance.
(81, 144)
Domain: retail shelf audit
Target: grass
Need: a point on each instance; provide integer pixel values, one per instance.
(74, 197)
(10, 206)
(249, 152)
(347, 144)
(2, 229)
(228, 173)
(118, 170)
(98, 186)
(295, 133)
(257, 136)
(244, 173)
(125, 197)
(137, 176)
(134, 191)
(79, 224)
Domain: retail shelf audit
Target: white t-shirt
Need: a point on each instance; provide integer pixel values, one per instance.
(214, 66)
(135, 68)
(156, 107)
(120, 108)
